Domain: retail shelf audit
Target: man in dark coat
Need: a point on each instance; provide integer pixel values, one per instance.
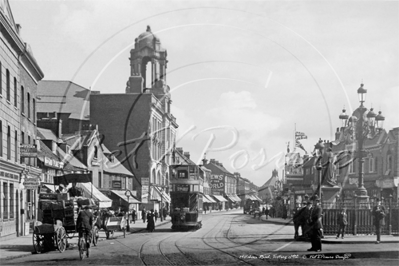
(342, 222)
(378, 215)
(150, 221)
(85, 222)
(75, 191)
(164, 213)
(316, 225)
(143, 215)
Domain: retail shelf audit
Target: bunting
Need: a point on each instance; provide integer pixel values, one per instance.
(300, 135)
(299, 145)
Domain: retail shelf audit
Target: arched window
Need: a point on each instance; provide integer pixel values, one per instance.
(28, 98)
(8, 85)
(146, 72)
(15, 92)
(22, 99)
(8, 143)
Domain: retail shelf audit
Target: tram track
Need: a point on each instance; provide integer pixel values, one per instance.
(220, 249)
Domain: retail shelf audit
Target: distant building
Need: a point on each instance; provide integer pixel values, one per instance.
(19, 174)
(138, 126)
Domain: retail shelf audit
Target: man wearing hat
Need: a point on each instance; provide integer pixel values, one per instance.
(315, 225)
(84, 223)
(378, 214)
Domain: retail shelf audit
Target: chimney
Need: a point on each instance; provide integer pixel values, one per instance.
(187, 154)
(213, 161)
(18, 29)
(204, 161)
(217, 163)
(179, 149)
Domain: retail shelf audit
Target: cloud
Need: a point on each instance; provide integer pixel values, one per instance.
(240, 110)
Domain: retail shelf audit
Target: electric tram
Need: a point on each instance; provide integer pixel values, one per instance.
(186, 210)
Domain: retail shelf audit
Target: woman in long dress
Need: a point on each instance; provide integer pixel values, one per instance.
(150, 221)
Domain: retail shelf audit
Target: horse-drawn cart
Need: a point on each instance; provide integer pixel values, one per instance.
(113, 224)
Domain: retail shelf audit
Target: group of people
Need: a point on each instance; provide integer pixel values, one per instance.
(152, 217)
(315, 226)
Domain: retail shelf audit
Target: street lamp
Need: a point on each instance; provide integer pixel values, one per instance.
(365, 126)
(128, 193)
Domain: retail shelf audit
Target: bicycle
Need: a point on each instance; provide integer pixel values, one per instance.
(84, 244)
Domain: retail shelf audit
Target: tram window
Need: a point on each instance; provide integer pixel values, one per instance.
(182, 174)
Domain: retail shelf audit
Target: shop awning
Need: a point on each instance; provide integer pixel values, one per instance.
(258, 199)
(205, 199)
(211, 200)
(163, 194)
(236, 198)
(90, 191)
(219, 198)
(231, 198)
(50, 187)
(121, 195)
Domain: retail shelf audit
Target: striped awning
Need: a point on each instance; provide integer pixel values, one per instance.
(236, 197)
(219, 198)
(211, 200)
(231, 198)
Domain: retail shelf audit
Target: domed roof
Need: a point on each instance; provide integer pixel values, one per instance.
(147, 38)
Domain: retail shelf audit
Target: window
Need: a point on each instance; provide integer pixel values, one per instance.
(34, 110)
(11, 201)
(182, 174)
(100, 181)
(5, 201)
(95, 152)
(1, 138)
(351, 168)
(15, 92)
(28, 98)
(8, 143)
(8, 85)
(1, 81)
(16, 146)
(371, 165)
(22, 99)
(389, 162)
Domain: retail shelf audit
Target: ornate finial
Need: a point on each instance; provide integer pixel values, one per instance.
(148, 28)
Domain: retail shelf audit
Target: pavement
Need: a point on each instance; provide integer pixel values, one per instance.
(23, 246)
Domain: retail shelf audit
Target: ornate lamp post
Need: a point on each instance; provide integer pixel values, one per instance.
(128, 193)
(364, 126)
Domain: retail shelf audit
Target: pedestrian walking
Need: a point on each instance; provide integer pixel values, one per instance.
(156, 215)
(267, 212)
(134, 215)
(378, 215)
(165, 213)
(143, 215)
(316, 225)
(342, 222)
(150, 221)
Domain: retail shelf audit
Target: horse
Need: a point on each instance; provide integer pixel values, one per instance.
(301, 218)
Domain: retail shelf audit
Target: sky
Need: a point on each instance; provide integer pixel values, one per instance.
(244, 75)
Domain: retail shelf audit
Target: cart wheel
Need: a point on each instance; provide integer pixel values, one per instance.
(95, 235)
(61, 239)
(107, 234)
(124, 232)
(38, 242)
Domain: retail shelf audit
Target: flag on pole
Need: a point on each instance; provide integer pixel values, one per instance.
(300, 135)
(299, 145)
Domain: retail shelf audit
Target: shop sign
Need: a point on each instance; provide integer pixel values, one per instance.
(28, 150)
(145, 187)
(31, 183)
(182, 188)
(116, 184)
(53, 163)
(217, 183)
